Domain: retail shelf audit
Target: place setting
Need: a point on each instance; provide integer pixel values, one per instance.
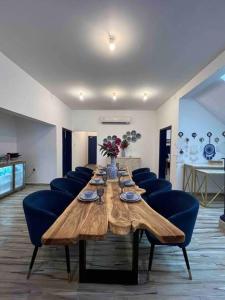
(128, 196)
(99, 181)
(92, 196)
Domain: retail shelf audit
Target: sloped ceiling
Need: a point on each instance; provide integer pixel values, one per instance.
(213, 99)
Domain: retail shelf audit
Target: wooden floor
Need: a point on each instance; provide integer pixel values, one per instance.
(168, 279)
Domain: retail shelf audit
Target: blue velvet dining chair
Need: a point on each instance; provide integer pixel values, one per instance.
(41, 210)
(143, 176)
(83, 175)
(181, 209)
(140, 170)
(66, 185)
(85, 169)
(73, 175)
(154, 187)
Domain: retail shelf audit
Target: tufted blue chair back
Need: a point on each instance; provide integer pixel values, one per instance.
(155, 186)
(66, 185)
(140, 170)
(85, 170)
(180, 208)
(41, 209)
(73, 175)
(143, 176)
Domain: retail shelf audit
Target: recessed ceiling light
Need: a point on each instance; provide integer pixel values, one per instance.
(114, 96)
(81, 96)
(112, 45)
(223, 77)
(145, 97)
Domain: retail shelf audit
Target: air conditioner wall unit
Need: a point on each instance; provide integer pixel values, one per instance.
(115, 120)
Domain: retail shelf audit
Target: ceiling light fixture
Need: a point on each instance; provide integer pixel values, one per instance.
(112, 45)
(81, 96)
(145, 97)
(114, 96)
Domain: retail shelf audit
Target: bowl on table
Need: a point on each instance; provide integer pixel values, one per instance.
(130, 197)
(96, 181)
(88, 195)
(128, 182)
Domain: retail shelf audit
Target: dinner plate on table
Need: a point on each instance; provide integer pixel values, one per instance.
(100, 173)
(128, 182)
(123, 173)
(96, 181)
(130, 197)
(88, 196)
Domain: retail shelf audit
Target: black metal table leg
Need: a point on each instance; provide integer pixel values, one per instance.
(109, 276)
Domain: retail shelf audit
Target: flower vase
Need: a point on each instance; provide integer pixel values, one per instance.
(123, 152)
(112, 169)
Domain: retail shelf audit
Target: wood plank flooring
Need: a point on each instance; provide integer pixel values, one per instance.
(168, 279)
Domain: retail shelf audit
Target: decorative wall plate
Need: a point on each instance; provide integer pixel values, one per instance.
(138, 135)
(223, 133)
(128, 132)
(217, 140)
(180, 134)
(194, 134)
(201, 140)
(133, 132)
(209, 149)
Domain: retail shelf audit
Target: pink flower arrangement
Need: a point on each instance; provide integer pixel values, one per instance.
(111, 149)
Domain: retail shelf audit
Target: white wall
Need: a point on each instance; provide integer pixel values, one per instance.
(168, 113)
(142, 121)
(194, 117)
(8, 135)
(37, 144)
(21, 94)
(80, 148)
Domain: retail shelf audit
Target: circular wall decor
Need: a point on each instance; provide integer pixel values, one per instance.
(180, 134)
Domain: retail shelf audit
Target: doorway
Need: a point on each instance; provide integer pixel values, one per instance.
(92, 150)
(165, 152)
(66, 151)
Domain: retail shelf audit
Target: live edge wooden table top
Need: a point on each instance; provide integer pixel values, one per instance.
(91, 221)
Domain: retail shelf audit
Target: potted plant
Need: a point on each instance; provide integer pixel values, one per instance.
(124, 145)
(111, 149)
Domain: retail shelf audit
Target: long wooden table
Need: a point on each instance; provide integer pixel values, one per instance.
(91, 221)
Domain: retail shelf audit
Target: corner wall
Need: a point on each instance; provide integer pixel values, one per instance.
(21, 94)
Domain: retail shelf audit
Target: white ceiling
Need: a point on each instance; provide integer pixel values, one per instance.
(161, 45)
(213, 99)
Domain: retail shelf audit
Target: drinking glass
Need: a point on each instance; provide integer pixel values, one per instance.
(100, 193)
(121, 184)
(104, 177)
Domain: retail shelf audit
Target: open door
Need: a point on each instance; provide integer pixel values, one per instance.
(92, 150)
(66, 150)
(164, 152)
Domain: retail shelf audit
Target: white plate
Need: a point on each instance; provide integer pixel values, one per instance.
(128, 182)
(136, 197)
(93, 197)
(100, 173)
(94, 182)
(123, 173)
